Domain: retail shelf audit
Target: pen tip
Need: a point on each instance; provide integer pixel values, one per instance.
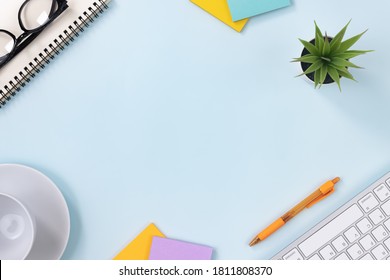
(336, 180)
(254, 241)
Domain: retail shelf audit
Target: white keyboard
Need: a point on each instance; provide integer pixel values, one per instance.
(360, 229)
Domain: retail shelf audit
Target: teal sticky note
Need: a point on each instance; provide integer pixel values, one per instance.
(241, 9)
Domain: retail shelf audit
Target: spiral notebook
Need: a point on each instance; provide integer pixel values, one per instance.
(23, 67)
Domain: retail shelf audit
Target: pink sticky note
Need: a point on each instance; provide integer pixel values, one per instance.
(169, 249)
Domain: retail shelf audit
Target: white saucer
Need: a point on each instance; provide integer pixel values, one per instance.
(45, 201)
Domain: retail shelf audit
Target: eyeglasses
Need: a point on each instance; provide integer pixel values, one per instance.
(34, 16)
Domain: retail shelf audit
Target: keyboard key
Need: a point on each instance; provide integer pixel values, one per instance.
(343, 256)
(355, 252)
(368, 202)
(364, 225)
(377, 216)
(386, 208)
(340, 243)
(367, 257)
(380, 233)
(293, 255)
(382, 192)
(387, 243)
(330, 230)
(328, 253)
(379, 252)
(352, 234)
(315, 257)
(387, 224)
(367, 242)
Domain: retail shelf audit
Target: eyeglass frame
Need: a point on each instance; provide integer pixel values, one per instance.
(29, 35)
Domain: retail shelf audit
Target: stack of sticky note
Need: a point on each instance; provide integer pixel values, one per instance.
(151, 244)
(236, 13)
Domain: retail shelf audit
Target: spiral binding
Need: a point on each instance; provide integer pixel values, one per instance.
(49, 53)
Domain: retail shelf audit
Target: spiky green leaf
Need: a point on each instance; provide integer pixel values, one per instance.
(323, 72)
(347, 75)
(309, 58)
(310, 47)
(336, 42)
(334, 74)
(313, 67)
(350, 54)
(316, 78)
(319, 39)
(326, 48)
(339, 68)
(344, 46)
(343, 62)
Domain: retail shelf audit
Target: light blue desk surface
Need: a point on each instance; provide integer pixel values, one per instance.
(161, 113)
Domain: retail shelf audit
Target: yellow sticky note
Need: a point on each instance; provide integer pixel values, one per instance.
(139, 248)
(220, 9)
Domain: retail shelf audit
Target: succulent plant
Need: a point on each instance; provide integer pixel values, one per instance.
(329, 57)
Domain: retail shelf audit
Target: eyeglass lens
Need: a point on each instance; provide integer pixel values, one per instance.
(36, 13)
(6, 44)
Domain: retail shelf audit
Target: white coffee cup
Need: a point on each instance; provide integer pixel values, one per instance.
(17, 229)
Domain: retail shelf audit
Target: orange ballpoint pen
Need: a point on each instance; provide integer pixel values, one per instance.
(319, 194)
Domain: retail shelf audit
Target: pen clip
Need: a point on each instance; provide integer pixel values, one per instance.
(318, 199)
